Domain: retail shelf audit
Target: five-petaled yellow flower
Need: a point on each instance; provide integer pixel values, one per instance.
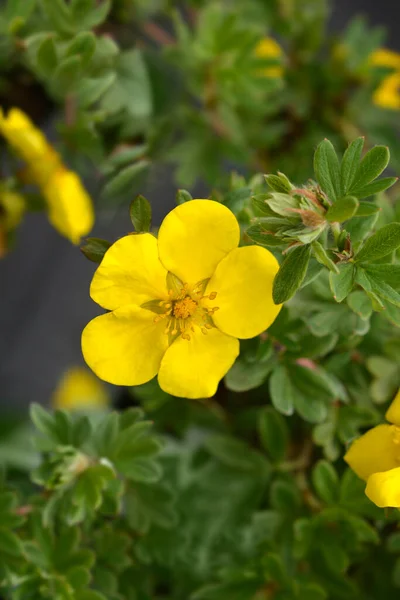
(375, 457)
(269, 48)
(387, 94)
(69, 206)
(78, 390)
(179, 303)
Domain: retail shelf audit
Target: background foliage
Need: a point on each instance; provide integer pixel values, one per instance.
(244, 496)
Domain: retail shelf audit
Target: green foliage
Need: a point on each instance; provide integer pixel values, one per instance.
(244, 496)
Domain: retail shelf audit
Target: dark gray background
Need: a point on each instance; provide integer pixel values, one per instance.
(44, 282)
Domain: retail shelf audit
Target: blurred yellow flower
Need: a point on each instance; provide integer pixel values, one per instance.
(179, 303)
(387, 94)
(269, 48)
(375, 457)
(69, 205)
(79, 389)
(12, 208)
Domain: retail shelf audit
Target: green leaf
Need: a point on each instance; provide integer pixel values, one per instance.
(279, 183)
(273, 433)
(310, 393)
(322, 257)
(83, 45)
(291, 274)
(350, 162)
(59, 14)
(17, 12)
(42, 420)
(87, 14)
(342, 210)
(122, 183)
(67, 74)
(232, 452)
(342, 283)
(245, 375)
(380, 185)
(366, 209)
(91, 90)
(149, 504)
(385, 241)
(10, 543)
(280, 388)
(259, 235)
(360, 303)
(326, 482)
(95, 248)
(371, 166)
(285, 498)
(282, 204)
(47, 59)
(388, 273)
(145, 470)
(327, 170)
(183, 196)
(140, 213)
(379, 287)
(131, 90)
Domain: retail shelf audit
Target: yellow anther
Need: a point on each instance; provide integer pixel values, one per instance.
(204, 330)
(184, 308)
(212, 296)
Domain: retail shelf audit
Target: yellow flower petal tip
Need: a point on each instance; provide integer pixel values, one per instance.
(375, 457)
(383, 489)
(12, 209)
(79, 389)
(269, 48)
(70, 208)
(69, 205)
(393, 412)
(383, 57)
(179, 303)
(387, 94)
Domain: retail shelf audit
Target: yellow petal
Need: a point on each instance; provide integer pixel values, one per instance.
(195, 236)
(269, 48)
(382, 57)
(130, 273)
(124, 347)
(12, 209)
(26, 139)
(393, 412)
(80, 389)
(374, 452)
(383, 489)
(387, 94)
(193, 368)
(69, 205)
(243, 282)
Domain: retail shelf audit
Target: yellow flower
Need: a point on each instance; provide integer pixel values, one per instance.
(382, 57)
(375, 457)
(80, 390)
(269, 48)
(179, 303)
(12, 208)
(69, 205)
(70, 208)
(387, 94)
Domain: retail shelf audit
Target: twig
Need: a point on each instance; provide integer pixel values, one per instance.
(157, 34)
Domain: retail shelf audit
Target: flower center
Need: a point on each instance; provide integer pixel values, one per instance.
(184, 310)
